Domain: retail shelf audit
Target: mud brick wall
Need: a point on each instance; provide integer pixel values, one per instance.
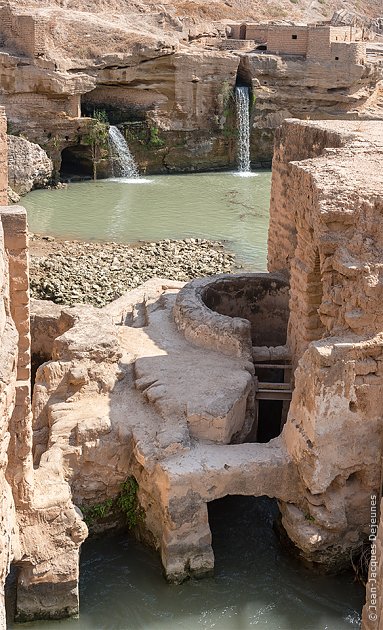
(351, 53)
(8, 389)
(257, 32)
(318, 45)
(341, 34)
(287, 40)
(25, 33)
(14, 221)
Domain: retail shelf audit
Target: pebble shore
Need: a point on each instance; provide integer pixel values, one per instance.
(73, 272)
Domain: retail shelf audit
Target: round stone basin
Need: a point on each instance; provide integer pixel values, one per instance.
(233, 312)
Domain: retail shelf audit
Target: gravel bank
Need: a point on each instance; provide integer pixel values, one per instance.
(70, 272)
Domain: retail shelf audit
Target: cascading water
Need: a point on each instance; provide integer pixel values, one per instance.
(123, 164)
(243, 118)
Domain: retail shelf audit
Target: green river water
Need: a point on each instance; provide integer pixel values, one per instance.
(219, 206)
(256, 584)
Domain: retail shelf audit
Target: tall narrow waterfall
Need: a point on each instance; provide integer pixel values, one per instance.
(123, 164)
(243, 119)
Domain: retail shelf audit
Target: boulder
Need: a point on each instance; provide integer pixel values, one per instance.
(29, 166)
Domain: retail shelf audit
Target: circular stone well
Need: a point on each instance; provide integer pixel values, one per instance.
(232, 313)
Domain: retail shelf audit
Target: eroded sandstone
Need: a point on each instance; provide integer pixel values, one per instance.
(163, 384)
(168, 79)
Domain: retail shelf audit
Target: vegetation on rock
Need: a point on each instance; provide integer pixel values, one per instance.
(126, 503)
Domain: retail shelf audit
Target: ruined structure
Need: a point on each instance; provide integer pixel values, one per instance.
(318, 42)
(165, 384)
(170, 384)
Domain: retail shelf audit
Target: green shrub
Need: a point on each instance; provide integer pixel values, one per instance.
(154, 139)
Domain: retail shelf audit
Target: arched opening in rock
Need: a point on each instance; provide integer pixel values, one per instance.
(76, 162)
(243, 538)
(261, 47)
(120, 103)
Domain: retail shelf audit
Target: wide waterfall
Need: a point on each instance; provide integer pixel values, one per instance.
(123, 164)
(243, 119)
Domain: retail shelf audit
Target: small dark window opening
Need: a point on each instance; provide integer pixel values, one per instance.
(336, 58)
(294, 36)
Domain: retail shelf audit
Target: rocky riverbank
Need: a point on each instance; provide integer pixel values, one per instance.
(70, 272)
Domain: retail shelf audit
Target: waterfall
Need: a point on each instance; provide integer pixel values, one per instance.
(123, 164)
(243, 119)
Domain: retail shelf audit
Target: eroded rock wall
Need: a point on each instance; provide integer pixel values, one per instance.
(169, 80)
(325, 226)
(8, 378)
(41, 531)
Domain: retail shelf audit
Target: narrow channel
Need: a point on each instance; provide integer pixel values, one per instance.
(256, 583)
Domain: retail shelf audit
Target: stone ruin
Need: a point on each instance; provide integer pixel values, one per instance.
(322, 43)
(250, 384)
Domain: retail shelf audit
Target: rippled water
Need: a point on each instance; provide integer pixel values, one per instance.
(209, 205)
(256, 585)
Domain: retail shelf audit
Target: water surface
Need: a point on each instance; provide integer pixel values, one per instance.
(256, 585)
(219, 206)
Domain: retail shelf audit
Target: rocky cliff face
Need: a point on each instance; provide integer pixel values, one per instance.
(164, 75)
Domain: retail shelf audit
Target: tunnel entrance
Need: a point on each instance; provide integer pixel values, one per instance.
(76, 162)
(244, 76)
(243, 539)
(10, 593)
